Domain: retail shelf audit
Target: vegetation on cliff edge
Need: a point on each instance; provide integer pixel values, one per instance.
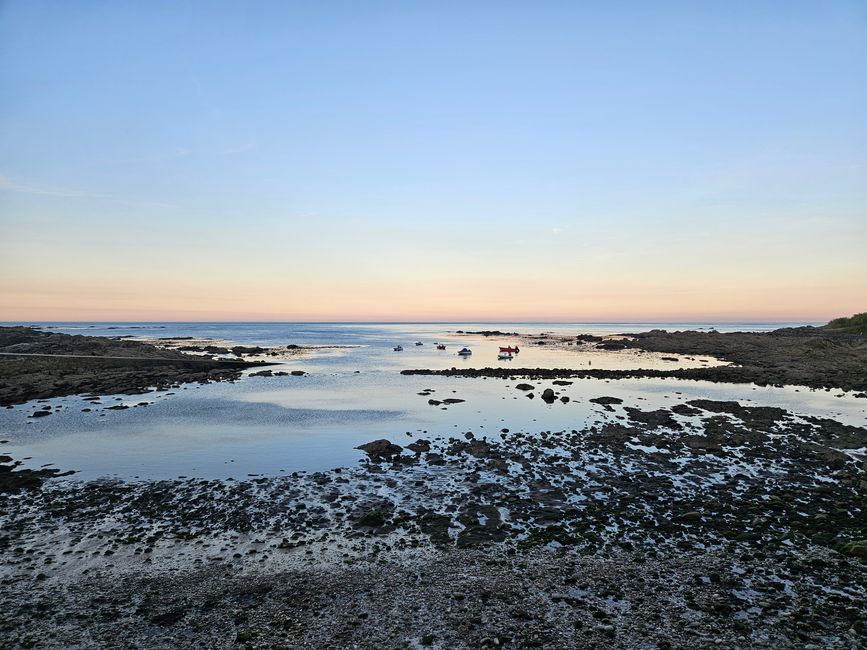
(854, 324)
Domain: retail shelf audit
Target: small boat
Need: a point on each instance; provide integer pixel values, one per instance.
(441, 346)
(398, 348)
(465, 352)
(419, 343)
(510, 349)
(505, 356)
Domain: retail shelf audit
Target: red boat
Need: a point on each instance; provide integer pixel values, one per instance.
(510, 349)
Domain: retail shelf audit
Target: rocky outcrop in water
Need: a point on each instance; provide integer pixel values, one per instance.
(38, 365)
(380, 450)
(810, 357)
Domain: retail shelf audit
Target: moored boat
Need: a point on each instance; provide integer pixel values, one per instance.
(465, 352)
(510, 349)
(398, 348)
(441, 346)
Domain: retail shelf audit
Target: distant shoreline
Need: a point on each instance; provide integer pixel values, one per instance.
(807, 356)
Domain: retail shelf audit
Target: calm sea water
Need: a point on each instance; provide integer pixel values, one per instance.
(374, 333)
(270, 425)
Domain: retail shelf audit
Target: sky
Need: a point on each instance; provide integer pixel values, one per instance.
(486, 161)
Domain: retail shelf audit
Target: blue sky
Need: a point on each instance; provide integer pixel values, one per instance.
(568, 160)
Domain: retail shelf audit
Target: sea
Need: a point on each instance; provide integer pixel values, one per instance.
(353, 392)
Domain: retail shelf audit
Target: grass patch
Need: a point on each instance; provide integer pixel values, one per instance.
(855, 324)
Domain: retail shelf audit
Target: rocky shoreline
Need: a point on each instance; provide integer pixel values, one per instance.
(39, 365)
(703, 523)
(710, 523)
(806, 356)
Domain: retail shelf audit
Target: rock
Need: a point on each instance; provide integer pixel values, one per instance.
(653, 419)
(453, 400)
(857, 548)
(419, 446)
(701, 443)
(372, 519)
(548, 395)
(240, 350)
(298, 373)
(15, 480)
(683, 409)
(524, 387)
(759, 416)
(606, 401)
(436, 526)
(381, 449)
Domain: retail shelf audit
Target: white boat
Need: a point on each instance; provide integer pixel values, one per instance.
(419, 343)
(398, 348)
(465, 352)
(505, 356)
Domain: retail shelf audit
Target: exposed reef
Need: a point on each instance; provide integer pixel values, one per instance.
(39, 365)
(807, 356)
(716, 524)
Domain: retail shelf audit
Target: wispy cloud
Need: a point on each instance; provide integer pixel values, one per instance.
(8, 184)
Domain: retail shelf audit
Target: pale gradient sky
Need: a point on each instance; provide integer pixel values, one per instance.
(433, 160)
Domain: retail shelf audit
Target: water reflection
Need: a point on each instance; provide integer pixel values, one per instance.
(269, 425)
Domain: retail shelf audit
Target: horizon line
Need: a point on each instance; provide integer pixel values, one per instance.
(424, 322)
